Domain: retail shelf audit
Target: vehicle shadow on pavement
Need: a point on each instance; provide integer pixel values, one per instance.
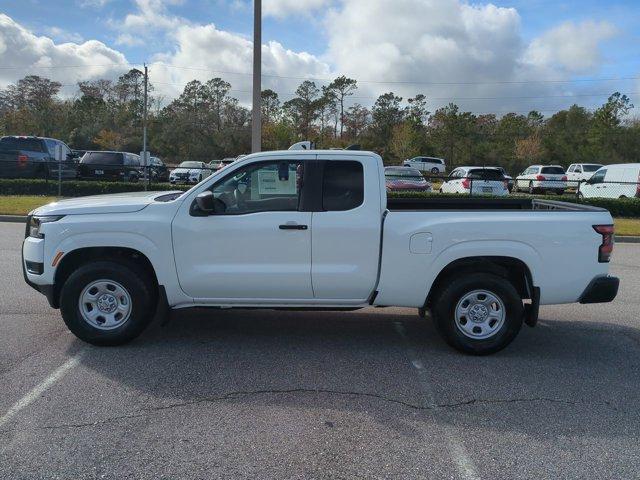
(584, 373)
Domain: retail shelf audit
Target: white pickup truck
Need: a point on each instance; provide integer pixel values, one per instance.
(315, 230)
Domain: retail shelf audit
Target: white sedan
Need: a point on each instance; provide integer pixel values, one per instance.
(190, 172)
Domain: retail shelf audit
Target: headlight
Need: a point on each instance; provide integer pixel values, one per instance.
(36, 222)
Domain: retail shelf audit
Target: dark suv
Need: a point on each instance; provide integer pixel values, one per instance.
(35, 157)
(121, 166)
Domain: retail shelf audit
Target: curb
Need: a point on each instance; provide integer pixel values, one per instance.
(13, 218)
(23, 218)
(627, 239)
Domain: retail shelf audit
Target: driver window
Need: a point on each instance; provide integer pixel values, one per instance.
(578, 170)
(598, 177)
(261, 187)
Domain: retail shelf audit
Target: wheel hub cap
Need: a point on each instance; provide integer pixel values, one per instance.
(480, 314)
(105, 304)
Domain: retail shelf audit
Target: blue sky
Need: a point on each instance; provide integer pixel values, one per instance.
(404, 40)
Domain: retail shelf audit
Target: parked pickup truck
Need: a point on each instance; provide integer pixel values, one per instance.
(315, 230)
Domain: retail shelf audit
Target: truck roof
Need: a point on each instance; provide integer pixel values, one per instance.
(310, 153)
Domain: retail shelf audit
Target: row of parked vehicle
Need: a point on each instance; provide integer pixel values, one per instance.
(35, 157)
(587, 179)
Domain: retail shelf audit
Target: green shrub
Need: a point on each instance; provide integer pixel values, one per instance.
(623, 207)
(618, 207)
(76, 188)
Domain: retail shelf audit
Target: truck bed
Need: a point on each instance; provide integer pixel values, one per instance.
(479, 203)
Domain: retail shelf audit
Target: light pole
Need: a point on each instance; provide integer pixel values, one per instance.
(256, 120)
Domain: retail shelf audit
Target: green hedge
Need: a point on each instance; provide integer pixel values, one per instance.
(618, 207)
(624, 207)
(76, 188)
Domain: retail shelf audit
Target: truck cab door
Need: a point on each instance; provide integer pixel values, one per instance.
(255, 250)
(346, 230)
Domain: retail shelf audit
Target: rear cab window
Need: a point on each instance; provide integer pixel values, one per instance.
(342, 185)
(26, 144)
(103, 158)
(486, 174)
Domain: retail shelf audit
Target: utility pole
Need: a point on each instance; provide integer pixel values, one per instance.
(256, 121)
(147, 170)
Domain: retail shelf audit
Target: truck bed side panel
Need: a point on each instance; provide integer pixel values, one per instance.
(560, 248)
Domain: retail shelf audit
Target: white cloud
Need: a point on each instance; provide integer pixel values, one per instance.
(92, 3)
(211, 52)
(31, 54)
(284, 8)
(63, 35)
(456, 50)
(570, 46)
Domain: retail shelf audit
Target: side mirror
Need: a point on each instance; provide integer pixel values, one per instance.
(205, 201)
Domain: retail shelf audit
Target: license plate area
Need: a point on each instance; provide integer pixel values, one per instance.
(99, 172)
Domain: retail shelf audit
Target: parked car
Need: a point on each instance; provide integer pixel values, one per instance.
(579, 172)
(508, 177)
(189, 172)
(427, 164)
(107, 165)
(159, 171)
(405, 179)
(613, 181)
(476, 181)
(35, 157)
(542, 179)
(481, 266)
(218, 164)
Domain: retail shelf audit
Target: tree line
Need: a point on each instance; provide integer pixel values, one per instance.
(205, 122)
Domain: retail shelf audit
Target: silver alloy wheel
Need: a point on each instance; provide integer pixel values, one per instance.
(480, 314)
(105, 304)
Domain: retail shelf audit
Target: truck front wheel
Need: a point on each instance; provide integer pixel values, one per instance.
(479, 313)
(107, 303)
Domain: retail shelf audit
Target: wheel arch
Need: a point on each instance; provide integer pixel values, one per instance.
(80, 256)
(511, 268)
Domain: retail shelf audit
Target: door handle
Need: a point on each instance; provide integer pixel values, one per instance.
(293, 226)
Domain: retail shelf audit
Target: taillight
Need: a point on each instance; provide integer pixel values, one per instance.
(564, 178)
(605, 249)
(22, 160)
(466, 183)
(540, 178)
(638, 187)
(506, 184)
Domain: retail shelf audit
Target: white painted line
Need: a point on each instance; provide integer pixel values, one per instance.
(39, 389)
(464, 464)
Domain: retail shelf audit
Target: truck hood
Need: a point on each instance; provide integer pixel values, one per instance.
(111, 203)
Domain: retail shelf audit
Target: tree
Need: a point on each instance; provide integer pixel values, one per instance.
(303, 109)
(342, 87)
(356, 120)
(270, 106)
(417, 111)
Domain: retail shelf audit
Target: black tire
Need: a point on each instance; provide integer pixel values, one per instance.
(444, 307)
(531, 189)
(435, 171)
(580, 196)
(515, 187)
(132, 278)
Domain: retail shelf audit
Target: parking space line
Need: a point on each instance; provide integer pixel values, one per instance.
(463, 462)
(39, 389)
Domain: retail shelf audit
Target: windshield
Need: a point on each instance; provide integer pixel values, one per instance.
(553, 170)
(486, 174)
(102, 158)
(189, 165)
(590, 168)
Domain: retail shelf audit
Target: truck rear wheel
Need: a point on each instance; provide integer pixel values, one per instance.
(479, 313)
(107, 303)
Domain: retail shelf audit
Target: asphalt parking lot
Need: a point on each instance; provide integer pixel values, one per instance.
(285, 395)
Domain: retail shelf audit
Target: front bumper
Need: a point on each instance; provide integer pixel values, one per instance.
(601, 289)
(47, 290)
